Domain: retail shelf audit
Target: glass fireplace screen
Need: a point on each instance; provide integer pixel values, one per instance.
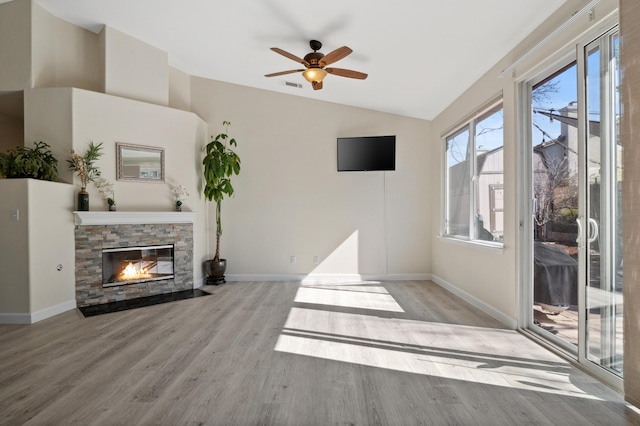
(129, 265)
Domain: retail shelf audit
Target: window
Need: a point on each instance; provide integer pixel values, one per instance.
(474, 178)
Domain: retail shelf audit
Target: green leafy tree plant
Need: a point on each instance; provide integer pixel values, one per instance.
(220, 164)
(24, 162)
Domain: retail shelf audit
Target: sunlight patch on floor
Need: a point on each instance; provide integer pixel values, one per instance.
(473, 354)
(351, 296)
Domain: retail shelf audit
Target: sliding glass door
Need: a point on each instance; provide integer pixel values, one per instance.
(554, 186)
(574, 249)
(601, 240)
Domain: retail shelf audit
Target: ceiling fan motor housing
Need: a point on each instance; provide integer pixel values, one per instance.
(313, 58)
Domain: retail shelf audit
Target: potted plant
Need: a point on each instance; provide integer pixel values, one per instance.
(24, 162)
(179, 195)
(87, 172)
(220, 164)
(106, 189)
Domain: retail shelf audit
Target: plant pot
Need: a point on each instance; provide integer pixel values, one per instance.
(112, 207)
(215, 271)
(83, 201)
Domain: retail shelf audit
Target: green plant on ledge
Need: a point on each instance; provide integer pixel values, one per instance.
(23, 162)
(220, 163)
(83, 165)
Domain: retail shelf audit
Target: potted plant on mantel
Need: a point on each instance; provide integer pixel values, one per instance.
(87, 172)
(220, 163)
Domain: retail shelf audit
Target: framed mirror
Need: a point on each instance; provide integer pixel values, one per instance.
(139, 163)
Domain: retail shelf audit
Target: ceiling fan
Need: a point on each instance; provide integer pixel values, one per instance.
(315, 63)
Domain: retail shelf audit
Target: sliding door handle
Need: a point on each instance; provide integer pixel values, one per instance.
(579, 237)
(593, 230)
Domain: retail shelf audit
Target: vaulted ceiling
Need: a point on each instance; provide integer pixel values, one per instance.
(420, 54)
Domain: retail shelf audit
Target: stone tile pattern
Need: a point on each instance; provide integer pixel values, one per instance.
(92, 239)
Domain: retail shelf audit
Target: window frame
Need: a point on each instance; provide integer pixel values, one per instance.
(469, 124)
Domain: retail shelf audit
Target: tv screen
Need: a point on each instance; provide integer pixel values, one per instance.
(367, 153)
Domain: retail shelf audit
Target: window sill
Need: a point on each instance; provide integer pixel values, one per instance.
(483, 245)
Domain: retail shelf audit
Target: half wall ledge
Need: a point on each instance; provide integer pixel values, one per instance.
(128, 218)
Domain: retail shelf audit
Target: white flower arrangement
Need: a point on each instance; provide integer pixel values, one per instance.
(180, 193)
(106, 189)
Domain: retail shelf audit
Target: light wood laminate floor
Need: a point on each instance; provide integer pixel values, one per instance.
(285, 353)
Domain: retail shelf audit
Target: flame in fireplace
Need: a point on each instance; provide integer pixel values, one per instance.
(131, 272)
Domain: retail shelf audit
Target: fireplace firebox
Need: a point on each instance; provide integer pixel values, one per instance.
(130, 265)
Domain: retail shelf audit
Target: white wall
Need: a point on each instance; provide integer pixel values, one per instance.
(290, 200)
(47, 118)
(15, 45)
(64, 55)
(492, 276)
(630, 127)
(11, 120)
(134, 69)
(12, 131)
(14, 247)
(179, 89)
(51, 243)
(32, 247)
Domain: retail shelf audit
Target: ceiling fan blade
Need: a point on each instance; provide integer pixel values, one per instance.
(290, 56)
(336, 55)
(346, 73)
(282, 73)
(317, 85)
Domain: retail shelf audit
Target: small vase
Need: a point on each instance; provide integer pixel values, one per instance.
(112, 207)
(83, 200)
(178, 208)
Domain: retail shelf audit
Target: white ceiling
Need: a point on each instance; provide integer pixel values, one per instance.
(420, 54)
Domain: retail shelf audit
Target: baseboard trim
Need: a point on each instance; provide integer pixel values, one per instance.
(487, 309)
(53, 311)
(23, 318)
(327, 277)
(199, 283)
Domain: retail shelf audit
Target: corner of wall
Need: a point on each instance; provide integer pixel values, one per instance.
(102, 51)
(179, 89)
(134, 69)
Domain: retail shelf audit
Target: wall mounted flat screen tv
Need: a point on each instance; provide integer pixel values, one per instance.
(366, 153)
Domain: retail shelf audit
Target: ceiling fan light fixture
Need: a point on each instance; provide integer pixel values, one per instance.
(314, 74)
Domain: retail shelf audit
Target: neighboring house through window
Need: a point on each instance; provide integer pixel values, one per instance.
(474, 178)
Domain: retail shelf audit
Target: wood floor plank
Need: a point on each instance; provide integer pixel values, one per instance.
(286, 353)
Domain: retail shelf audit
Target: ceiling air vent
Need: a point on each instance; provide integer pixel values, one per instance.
(292, 84)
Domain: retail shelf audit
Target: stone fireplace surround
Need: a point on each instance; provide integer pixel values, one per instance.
(96, 231)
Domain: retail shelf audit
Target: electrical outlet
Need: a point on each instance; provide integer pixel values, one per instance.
(292, 259)
(316, 259)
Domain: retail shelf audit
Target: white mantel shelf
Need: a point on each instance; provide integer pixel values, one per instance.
(132, 218)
